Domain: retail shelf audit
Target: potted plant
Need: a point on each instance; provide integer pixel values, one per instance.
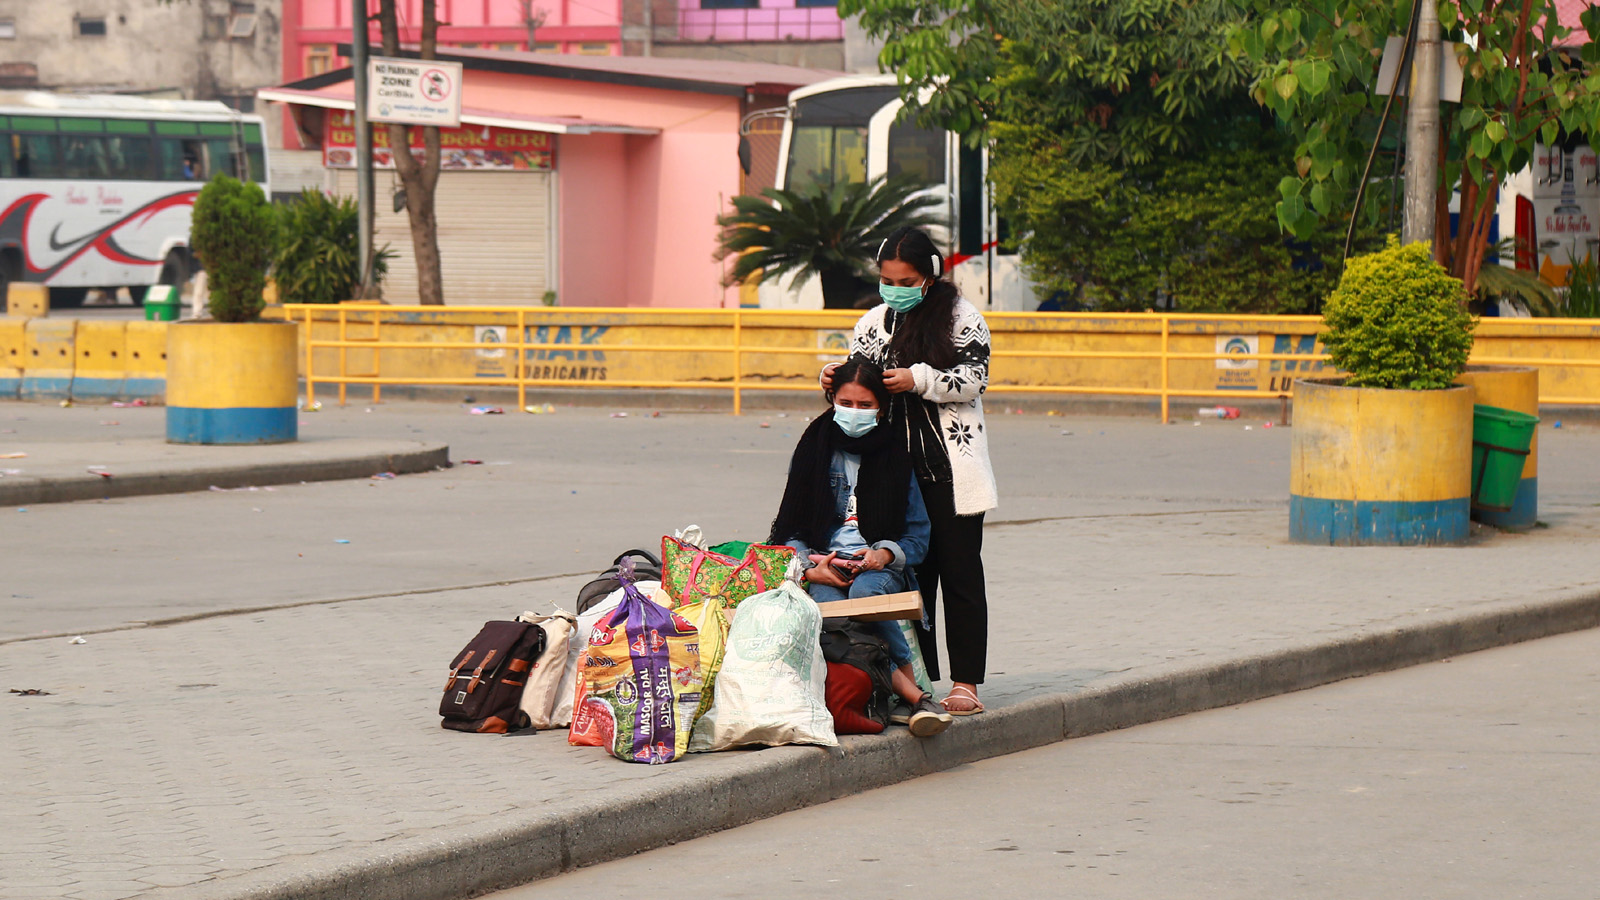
(828, 230)
(1383, 455)
(232, 379)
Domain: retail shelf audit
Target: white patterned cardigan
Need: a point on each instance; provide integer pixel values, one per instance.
(959, 395)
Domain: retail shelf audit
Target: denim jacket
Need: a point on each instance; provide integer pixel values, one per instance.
(912, 547)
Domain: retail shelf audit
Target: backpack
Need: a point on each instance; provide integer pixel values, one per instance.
(487, 678)
(608, 582)
(853, 649)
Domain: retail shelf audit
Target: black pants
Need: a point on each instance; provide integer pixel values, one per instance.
(955, 562)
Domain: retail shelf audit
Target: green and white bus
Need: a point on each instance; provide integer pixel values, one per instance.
(97, 191)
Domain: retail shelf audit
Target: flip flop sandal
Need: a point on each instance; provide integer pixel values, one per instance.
(961, 693)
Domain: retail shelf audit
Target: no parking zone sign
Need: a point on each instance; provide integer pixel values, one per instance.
(414, 91)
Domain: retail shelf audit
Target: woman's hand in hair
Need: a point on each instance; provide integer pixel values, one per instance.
(827, 376)
(898, 381)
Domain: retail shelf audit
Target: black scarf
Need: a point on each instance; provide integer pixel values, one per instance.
(883, 485)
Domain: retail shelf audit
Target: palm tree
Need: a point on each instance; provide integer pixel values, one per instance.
(831, 231)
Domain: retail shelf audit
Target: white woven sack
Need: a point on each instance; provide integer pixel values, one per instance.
(772, 686)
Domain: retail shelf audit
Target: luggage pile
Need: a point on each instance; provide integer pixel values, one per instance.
(699, 649)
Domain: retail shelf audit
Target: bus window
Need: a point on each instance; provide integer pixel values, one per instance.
(7, 168)
(828, 141)
(37, 156)
(130, 158)
(181, 159)
(258, 162)
(85, 156)
(219, 158)
(916, 152)
(827, 155)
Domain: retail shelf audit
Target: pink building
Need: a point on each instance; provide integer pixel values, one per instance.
(750, 21)
(589, 180)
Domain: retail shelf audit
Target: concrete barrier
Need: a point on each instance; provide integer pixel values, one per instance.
(231, 383)
(48, 360)
(100, 370)
(13, 347)
(146, 361)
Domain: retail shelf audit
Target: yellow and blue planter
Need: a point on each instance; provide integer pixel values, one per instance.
(232, 383)
(1378, 467)
(1515, 388)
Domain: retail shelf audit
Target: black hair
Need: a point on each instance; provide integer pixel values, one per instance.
(925, 334)
(865, 372)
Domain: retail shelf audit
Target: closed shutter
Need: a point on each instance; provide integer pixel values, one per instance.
(494, 236)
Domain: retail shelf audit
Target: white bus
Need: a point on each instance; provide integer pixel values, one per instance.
(97, 191)
(845, 129)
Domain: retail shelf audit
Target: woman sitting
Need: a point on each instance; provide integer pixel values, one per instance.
(852, 509)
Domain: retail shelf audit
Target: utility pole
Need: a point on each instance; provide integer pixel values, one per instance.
(1422, 129)
(364, 186)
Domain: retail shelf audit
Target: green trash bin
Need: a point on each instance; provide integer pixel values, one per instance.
(161, 304)
(1500, 441)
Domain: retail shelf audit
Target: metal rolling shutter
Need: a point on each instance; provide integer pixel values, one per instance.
(494, 236)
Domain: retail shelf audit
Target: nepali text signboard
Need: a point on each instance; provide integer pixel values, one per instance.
(414, 91)
(480, 148)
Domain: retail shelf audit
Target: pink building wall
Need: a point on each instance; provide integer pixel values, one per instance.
(638, 212)
(774, 20)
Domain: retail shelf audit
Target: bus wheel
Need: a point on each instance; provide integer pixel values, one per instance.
(67, 298)
(9, 267)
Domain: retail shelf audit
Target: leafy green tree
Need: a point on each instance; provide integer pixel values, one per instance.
(831, 231)
(233, 232)
(1316, 65)
(1125, 147)
(318, 256)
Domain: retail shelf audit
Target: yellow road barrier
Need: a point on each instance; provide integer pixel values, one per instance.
(1156, 355)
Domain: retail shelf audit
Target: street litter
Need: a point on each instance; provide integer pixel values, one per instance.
(103, 422)
(66, 403)
(1247, 428)
(486, 411)
(538, 410)
(1557, 425)
(99, 470)
(119, 404)
(78, 640)
(342, 541)
(619, 415)
(1266, 425)
(1218, 412)
(1068, 433)
(383, 476)
(13, 456)
(472, 462)
(766, 424)
(30, 692)
(223, 490)
(10, 471)
(22, 509)
(312, 407)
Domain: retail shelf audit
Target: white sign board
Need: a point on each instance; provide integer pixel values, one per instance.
(1230, 345)
(414, 91)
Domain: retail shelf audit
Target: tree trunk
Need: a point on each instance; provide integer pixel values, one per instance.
(420, 179)
(840, 289)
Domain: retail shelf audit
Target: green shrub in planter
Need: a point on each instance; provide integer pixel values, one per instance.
(233, 234)
(319, 247)
(1398, 321)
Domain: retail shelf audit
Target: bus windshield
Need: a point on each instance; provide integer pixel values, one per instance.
(828, 144)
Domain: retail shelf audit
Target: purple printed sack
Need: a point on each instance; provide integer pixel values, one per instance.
(640, 683)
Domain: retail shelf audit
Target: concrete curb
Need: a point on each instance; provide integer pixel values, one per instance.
(23, 491)
(686, 801)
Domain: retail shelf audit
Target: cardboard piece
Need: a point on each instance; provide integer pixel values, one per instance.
(882, 608)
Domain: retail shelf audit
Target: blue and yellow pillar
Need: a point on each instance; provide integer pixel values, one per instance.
(232, 383)
(1380, 467)
(1515, 388)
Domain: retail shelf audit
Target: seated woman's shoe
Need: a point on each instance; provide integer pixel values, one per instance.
(928, 718)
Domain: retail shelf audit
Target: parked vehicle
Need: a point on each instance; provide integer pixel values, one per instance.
(847, 128)
(97, 191)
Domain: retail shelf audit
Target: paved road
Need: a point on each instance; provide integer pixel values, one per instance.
(557, 493)
(1471, 778)
(213, 752)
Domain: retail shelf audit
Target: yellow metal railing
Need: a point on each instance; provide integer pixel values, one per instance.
(737, 323)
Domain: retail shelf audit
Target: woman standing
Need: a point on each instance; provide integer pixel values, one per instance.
(934, 348)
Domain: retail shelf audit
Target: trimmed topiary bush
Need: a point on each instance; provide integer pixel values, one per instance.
(233, 234)
(1398, 321)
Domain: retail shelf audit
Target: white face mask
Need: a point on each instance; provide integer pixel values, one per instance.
(855, 422)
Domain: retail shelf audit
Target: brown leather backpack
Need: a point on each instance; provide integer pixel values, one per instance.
(487, 678)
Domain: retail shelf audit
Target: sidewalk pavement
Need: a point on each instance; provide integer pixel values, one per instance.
(58, 465)
(295, 753)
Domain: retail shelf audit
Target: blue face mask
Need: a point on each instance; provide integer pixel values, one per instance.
(900, 299)
(855, 422)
